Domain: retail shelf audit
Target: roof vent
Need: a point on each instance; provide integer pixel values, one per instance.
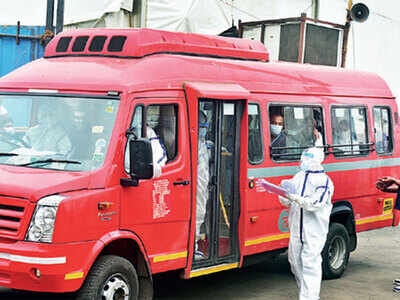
(137, 43)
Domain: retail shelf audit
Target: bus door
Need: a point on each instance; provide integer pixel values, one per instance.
(217, 192)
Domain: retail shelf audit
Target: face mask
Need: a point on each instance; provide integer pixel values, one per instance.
(276, 129)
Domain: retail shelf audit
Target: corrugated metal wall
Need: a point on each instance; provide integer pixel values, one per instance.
(13, 55)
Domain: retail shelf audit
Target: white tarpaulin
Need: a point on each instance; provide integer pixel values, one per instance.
(215, 16)
(34, 12)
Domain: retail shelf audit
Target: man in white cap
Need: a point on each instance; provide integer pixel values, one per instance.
(309, 198)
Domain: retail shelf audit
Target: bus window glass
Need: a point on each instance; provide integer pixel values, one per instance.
(255, 147)
(293, 129)
(349, 131)
(56, 132)
(382, 128)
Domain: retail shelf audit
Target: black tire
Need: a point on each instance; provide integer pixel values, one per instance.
(336, 252)
(110, 271)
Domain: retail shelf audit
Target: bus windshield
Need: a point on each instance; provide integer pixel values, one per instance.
(55, 132)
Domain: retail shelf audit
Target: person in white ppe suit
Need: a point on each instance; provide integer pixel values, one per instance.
(159, 152)
(203, 178)
(309, 198)
(48, 134)
(158, 149)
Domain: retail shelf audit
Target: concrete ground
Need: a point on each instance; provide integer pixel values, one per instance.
(369, 275)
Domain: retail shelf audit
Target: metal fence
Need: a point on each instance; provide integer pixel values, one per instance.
(19, 45)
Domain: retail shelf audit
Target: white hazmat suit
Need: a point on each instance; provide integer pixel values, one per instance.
(309, 199)
(159, 152)
(203, 177)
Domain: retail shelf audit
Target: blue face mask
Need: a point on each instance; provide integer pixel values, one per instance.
(203, 129)
(276, 129)
(202, 132)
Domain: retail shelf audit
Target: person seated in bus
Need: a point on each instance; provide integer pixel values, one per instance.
(8, 138)
(158, 149)
(159, 152)
(48, 134)
(278, 135)
(342, 136)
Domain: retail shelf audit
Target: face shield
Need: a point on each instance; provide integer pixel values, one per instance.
(311, 159)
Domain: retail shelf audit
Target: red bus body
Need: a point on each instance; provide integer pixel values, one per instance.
(161, 67)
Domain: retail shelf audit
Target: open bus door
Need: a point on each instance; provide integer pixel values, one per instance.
(221, 111)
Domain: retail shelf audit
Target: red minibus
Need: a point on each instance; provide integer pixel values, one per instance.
(81, 206)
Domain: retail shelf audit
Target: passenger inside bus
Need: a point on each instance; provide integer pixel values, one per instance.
(152, 120)
(294, 129)
(48, 134)
(278, 136)
(8, 139)
(203, 178)
(342, 136)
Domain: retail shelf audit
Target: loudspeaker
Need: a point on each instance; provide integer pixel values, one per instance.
(359, 12)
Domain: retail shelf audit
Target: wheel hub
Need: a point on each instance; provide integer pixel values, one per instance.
(337, 252)
(115, 289)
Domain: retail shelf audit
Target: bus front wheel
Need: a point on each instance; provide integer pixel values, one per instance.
(336, 252)
(111, 277)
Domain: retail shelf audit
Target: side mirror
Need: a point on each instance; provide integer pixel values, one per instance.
(141, 162)
(141, 159)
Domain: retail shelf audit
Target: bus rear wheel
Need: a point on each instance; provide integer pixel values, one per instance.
(111, 278)
(336, 252)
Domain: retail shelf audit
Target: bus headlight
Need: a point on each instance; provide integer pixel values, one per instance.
(42, 224)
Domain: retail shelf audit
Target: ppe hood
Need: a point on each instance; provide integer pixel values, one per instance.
(33, 183)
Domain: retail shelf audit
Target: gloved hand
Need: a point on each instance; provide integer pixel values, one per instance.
(296, 198)
(284, 201)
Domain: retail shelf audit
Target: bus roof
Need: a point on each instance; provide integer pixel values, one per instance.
(156, 66)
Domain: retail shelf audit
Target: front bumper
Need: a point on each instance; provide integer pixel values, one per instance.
(62, 267)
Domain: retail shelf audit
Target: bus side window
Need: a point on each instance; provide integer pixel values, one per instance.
(349, 131)
(302, 128)
(255, 141)
(383, 130)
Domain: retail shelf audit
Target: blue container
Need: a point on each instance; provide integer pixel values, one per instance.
(13, 55)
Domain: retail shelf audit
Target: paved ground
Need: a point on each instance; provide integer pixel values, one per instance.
(369, 276)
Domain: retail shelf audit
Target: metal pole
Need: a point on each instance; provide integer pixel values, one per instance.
(301, 38)
(346, 33)
(315, 9)
(50, 15)
(60, 16)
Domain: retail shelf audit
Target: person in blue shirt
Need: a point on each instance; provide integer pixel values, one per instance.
(389, 184)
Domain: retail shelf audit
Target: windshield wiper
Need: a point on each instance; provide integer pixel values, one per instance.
(8, 154)
(51, 160)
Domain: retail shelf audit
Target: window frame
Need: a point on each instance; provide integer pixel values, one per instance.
(297, 104)
(391, 127)
(367, 129)
(261, 135)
